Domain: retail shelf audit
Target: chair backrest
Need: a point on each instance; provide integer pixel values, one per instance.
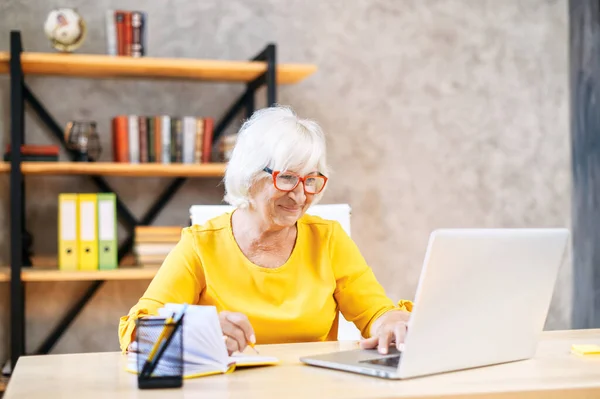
(199, 214)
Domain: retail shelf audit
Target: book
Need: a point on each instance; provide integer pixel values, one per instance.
(137, 23)
(204, 353)
(111, 32)
(34, 153)
(36, 149)
(120, 138)
(120, 32)
(33, 158)
(126, 33)
(162, 139)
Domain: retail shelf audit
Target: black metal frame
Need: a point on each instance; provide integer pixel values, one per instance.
(20, 239)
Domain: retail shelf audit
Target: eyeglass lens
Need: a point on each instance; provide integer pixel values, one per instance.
(312, 184)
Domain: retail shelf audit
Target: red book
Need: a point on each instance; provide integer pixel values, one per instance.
(120, 23)
(120, 138)
(207, 140)
(128, 32)
(35, 149)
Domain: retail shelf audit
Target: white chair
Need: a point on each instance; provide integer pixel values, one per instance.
(339, 212)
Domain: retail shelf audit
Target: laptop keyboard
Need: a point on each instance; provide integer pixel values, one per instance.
(390, 361)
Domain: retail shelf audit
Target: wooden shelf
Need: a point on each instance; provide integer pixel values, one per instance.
(119, 169)
(47, 274)
(105, 66)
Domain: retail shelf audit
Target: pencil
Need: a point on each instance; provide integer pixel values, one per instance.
(250, 344)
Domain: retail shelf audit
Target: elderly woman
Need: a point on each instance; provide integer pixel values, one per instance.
(274, 273)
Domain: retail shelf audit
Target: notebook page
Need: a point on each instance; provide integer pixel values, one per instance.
(202, 335)
(167, 364)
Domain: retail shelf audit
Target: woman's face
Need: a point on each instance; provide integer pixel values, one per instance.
(280, 208)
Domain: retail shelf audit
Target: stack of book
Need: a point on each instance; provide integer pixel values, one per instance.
(163, 139)
(126, 33)
(87, 231)
(152, 244)
(33, 153)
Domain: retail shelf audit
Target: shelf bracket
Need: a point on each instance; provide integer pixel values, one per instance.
(17, 291)
(246, 99)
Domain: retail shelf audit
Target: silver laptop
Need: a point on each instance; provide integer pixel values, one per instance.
(482, 299)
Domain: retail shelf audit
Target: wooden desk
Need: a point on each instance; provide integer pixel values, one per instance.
(553, 373)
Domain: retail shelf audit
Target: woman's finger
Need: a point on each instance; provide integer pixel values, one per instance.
(235, 334)
(242, 322)
(369, 343)
(385, 338)
(400, 334)
(232, 345)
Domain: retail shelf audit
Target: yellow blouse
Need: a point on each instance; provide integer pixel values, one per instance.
(296, 302)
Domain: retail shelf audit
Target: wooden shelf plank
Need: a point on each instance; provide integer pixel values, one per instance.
(4, 62)
(4, 274)
(119, 169)
(3, 383)
(47, 274)
(105, 66)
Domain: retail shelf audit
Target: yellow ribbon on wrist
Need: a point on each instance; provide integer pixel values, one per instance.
(406, 305)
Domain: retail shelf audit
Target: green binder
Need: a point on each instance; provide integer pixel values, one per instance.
(107, 231)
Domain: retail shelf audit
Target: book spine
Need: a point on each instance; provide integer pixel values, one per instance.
(136, 36)
(141, 231)
(144, 34)
(33, 158)
(128, 33)
(189, 138)
(158, 138)
(198, 142)
(37, 149)
(179, 140)
(120, 138)
(175, 139)
(208, 140)
(111, 33)
(166, 139)
(134, 139)
(173, 151)
(150, 135)
(143, 132)
(120, 23)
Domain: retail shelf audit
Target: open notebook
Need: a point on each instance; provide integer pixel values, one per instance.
(204, 349)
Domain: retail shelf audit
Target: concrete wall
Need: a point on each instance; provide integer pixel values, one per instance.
(438, 114)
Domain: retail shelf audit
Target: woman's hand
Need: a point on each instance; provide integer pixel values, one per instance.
(388, 328)
(237, 329)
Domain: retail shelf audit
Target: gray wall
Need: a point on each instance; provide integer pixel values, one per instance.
(438, 114)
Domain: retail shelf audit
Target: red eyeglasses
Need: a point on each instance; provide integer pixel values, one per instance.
(288, 181)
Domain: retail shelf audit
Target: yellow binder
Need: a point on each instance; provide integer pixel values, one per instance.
(67, 232)
(88, 231)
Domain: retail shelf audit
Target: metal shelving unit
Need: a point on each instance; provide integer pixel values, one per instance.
(261, 70)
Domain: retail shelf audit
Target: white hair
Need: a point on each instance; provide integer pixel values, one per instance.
(273, 137)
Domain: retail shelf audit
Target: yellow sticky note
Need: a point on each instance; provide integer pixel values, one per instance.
(586, 349)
